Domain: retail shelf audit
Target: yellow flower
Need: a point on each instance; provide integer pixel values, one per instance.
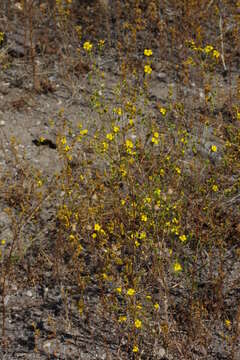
(1, 37)
(122, 318)
(144, 217)
(110, 136)
(215, 188)
(178, 170)
(190, 43)
(177, 267)
(3, 242)
(155, 141)
(94, 235)
(135, 349)
(105, 146)
(175, 230)
(87, 46)
(216, 54)
(123, 172)
(63, 140)
(189, 61)
(147, 69)
(143, 235)
(228, 323)
(71, 237)
(67, 148)
(138, 324)
(156, 306)
(84, 132)
(208, 49)
(155, 138)
(129, 144)
(183, 238)
(101, 43)
(137, 243)
(119, 290)
(97, 227)
(42, 139)
(163, 111)
(118, 111)
(105, 276)
(116, 129)
(148, 52)
(157, 192)
(213, 148)
(130, 292)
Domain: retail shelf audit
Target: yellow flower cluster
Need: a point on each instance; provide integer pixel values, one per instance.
(129, 147)
(208, 49)
(118, 111)
(155, 138)
(177, 267)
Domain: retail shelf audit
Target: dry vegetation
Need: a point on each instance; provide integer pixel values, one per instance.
(140, 226)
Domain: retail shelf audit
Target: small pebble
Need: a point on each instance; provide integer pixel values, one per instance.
(29, 293)
(161, 76)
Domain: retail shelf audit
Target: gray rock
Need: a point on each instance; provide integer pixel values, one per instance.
(161, 76)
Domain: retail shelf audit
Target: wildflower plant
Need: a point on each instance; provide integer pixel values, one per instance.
(139, 208)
